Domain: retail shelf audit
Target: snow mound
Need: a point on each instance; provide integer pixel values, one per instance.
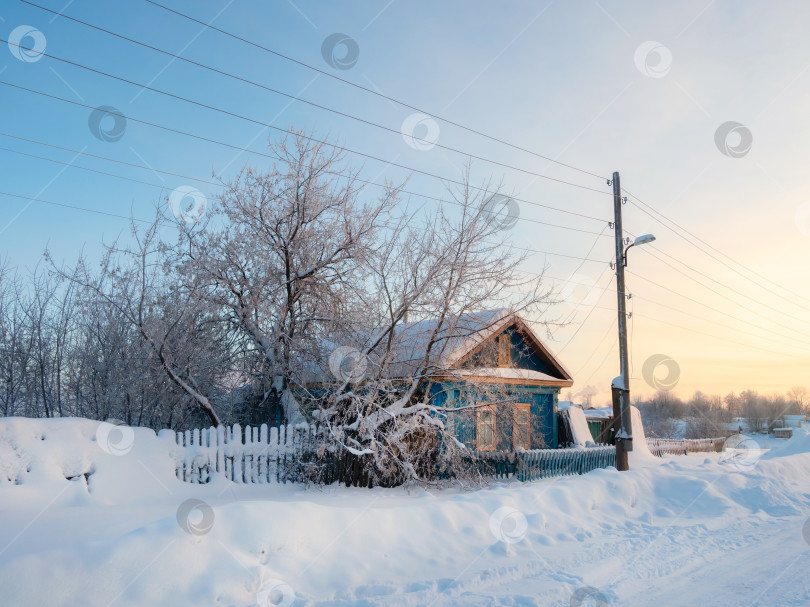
(83, 461)
(798, 443)
(579, 427)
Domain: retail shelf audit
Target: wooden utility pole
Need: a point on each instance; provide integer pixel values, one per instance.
(620, 388)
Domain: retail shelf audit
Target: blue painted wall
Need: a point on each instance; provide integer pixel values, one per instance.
(458, 395)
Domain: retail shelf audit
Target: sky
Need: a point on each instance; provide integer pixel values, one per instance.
(701, 106)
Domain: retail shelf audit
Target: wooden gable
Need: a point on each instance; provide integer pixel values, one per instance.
(515, 346)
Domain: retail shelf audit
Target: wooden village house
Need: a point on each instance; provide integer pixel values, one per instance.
(497, 382)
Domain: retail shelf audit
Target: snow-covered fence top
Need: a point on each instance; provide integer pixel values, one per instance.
(667, 446)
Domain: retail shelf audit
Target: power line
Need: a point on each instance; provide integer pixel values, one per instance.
(398, 132)
(582, 324)
(277, 128)
(733, 290)
(242, 149)
(713, 309)
(714, 322)
(648, 251)
(368, 90)
(71, 206)
(691, 242)
(80, 208)
(715, 336)
(150, 168)
(130, 164)
(604, 360)
(739, 343)
(83, 168)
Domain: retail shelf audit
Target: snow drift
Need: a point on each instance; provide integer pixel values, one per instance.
(106, 523)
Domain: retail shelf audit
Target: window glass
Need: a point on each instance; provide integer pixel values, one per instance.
(522, 423)
(485, 430)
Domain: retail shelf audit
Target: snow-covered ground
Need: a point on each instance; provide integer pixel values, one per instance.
(686, 530)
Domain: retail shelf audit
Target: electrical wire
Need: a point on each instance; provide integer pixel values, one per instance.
(242, 149)
(647, 250)
(718, 324)
(71, 206)
(691, 240)
(282, 130)
(713, 309)
(150, 168)
(366, 89)
(80, 208)
(397, 132)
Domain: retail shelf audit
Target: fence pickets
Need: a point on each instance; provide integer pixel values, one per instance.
(545, 463)
(300, 453)
(668, 446)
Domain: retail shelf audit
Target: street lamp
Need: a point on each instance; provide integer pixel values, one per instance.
(643, 239)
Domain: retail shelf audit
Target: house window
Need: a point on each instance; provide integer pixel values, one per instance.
(504, 351)
(521, 430)
(485, 428)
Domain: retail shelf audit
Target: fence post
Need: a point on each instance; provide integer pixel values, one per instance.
(236, 450)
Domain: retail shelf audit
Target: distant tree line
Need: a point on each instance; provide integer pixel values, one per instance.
(667, 416)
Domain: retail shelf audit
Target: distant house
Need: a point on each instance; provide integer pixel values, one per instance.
(793, 421)
(501, 379)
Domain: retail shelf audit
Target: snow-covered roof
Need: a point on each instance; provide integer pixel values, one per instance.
(459, 336)
(599, 412)
(507, 373)
(455, 339)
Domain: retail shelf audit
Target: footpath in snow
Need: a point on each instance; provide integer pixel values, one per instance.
(93, 515)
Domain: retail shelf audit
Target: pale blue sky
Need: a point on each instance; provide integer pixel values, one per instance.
(558, 78)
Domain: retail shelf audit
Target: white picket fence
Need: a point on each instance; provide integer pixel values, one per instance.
(253, 455)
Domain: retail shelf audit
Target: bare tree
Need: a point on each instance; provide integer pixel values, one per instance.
(277, 255)
(442, 273)
(798, 399)
(135, 283)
